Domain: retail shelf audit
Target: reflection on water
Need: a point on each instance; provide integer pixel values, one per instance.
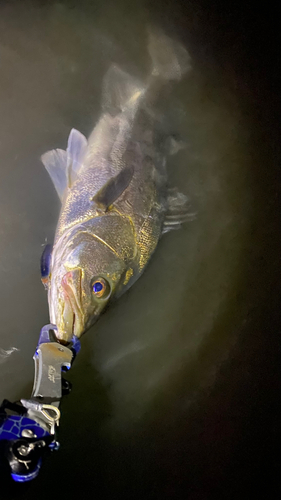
(166, 375)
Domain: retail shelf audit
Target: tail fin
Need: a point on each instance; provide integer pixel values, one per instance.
(121, 92)
(169, 58)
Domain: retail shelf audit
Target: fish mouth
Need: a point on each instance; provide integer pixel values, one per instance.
(72, 323)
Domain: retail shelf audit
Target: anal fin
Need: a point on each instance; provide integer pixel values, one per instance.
(178, 211)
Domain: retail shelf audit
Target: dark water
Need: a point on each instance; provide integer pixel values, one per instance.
(176, 390)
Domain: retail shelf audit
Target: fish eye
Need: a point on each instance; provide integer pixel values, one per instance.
(100, 287)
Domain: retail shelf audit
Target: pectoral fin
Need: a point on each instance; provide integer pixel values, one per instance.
(113, 189)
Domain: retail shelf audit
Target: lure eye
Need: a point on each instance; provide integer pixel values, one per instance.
(100, 287)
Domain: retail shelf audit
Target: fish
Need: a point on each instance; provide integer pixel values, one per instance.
(116, 201)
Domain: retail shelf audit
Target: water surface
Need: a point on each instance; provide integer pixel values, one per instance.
(175, 389)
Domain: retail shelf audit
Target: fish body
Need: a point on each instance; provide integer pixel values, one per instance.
(115, 198)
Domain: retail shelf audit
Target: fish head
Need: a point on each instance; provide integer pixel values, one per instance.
(85, 275)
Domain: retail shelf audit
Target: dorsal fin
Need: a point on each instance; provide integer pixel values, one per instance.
(63, 166)
(55, 162)
(113, 188)
(76, 147)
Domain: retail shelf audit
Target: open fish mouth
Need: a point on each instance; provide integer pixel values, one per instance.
(68, 323)
(72, 323)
